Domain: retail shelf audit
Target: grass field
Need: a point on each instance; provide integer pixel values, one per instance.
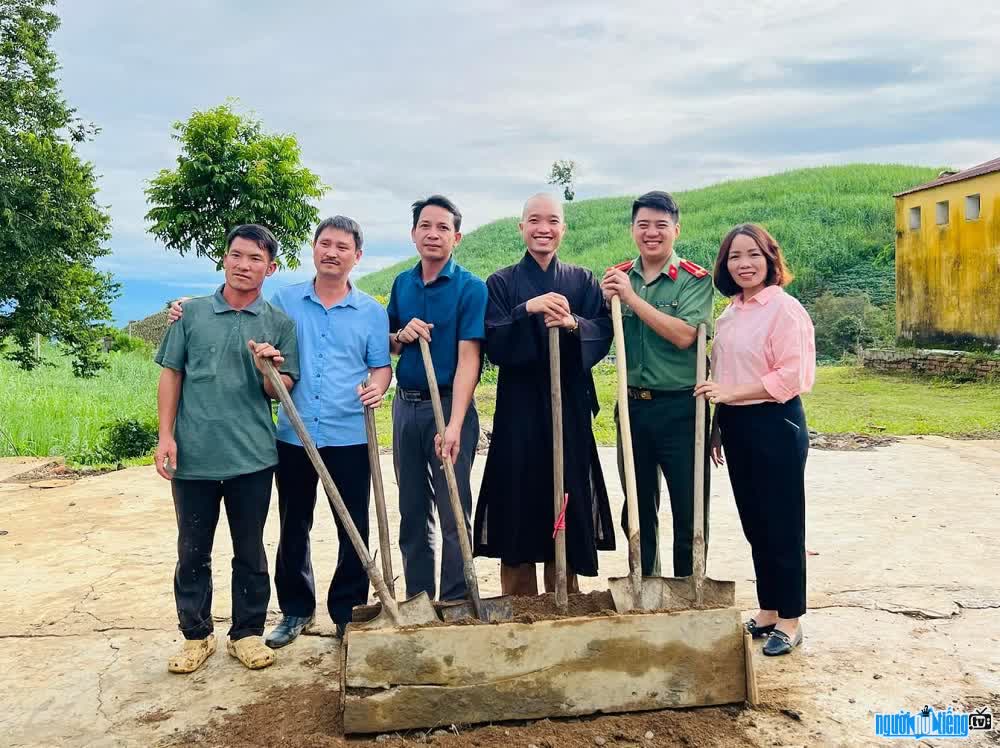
(835, 223)
(49, 412)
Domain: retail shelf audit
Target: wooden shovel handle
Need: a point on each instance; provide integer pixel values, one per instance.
(625, 429)
(468, 565)
(558, 490)
(384, 544)
(700, 406)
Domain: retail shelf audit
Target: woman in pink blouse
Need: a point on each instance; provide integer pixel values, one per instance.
(763, 357)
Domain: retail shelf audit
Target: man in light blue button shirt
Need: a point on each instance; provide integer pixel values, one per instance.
(343, 336)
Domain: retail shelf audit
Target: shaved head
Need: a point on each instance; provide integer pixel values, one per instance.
(543, 204)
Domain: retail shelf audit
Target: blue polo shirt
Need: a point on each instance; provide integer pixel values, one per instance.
(337, 346)
(454, 302)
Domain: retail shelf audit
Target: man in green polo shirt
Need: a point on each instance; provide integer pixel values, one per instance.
(664, 299)
(217, 444)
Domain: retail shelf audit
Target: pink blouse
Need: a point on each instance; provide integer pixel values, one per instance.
(768, 339)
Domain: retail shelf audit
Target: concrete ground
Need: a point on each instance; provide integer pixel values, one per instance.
(904, 597)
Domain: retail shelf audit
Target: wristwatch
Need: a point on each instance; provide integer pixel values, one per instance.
(575, 329)
(396, 337)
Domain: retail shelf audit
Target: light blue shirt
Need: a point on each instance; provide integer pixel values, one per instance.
(337, 347)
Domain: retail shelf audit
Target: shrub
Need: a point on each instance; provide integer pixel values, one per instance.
(849, 324)
(122, 342)
(126, 438)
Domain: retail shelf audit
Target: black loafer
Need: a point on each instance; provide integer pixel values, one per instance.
(758, 632)
(779, 643)
(287, 631)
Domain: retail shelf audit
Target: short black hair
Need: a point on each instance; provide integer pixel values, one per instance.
(259, 235)
(342, 223)
(442, 202)
(659, 201)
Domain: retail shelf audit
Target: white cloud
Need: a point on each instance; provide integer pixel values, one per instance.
(393, 101)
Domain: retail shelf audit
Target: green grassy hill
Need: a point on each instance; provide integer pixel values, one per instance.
(836, 225)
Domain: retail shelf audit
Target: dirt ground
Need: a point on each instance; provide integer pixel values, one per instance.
(904, 595)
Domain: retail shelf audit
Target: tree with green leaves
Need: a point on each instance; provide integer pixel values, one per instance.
(51, 227)
(230, 172)
(564, 174)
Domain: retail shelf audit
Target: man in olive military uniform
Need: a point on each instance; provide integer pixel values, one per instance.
(217, 444)
(664, 299)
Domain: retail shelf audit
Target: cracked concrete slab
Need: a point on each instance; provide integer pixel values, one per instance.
(903, 587)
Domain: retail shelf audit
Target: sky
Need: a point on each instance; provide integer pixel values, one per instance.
(392, 101)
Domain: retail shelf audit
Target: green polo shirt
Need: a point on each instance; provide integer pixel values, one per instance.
(653, 362)
(224, 426)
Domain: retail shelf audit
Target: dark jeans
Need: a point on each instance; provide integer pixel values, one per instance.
(297, 482)
(663, 440)
(422, 486)
(765, 447)
(196, 503)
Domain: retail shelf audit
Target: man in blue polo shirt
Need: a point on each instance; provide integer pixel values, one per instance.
(445, 304)
(343, 337)
(344, 334)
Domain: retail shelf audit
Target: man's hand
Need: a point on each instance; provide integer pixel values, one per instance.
(716, 393)
(263, 351)
(370, 396)
(452, 443)
(166, 457)
(617, 283)
(415, 328)
(175, 312)
(567, 321)
(550, 304)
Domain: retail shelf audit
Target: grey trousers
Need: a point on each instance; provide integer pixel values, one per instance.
(422, 486)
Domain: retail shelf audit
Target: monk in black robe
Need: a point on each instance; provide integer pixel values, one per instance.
(514, 516)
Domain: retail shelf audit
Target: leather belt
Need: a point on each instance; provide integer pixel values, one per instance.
(416, 396)
(640, 393)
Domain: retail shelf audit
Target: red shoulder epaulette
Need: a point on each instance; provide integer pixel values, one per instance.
(696, 270)
(623, 266)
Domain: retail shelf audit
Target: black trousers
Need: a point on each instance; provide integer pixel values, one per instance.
(765, 448)
(196, 503)
(663, 440)
(297, 483)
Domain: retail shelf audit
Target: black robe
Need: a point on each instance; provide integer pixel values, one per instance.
(514, 515)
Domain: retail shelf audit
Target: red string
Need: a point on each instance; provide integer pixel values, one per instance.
(561, 519)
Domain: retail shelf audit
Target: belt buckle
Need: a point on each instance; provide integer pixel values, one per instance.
(645, 395)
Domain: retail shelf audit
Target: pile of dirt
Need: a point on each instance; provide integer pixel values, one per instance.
(58, 472)
(849, 442)
(307, 716)
(543, 607)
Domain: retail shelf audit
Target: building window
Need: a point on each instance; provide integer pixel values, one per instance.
(941, 213)
(972, 208)
(915, 218)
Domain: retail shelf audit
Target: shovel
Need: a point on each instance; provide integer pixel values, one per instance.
(416, 611)
(379, 490)
(491, 609)
(662, 593)
(701, 590)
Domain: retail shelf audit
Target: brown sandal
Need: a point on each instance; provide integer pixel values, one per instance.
(192, 655)
(250, 650)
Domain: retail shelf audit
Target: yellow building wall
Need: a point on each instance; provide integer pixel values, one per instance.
(948, 276)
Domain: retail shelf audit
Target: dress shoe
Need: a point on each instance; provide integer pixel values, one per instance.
(758, 632)
(287, 631)
(779, 643)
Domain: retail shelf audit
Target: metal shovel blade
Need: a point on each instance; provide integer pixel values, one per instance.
(671, 593)
(416, 611)
(493, 609)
